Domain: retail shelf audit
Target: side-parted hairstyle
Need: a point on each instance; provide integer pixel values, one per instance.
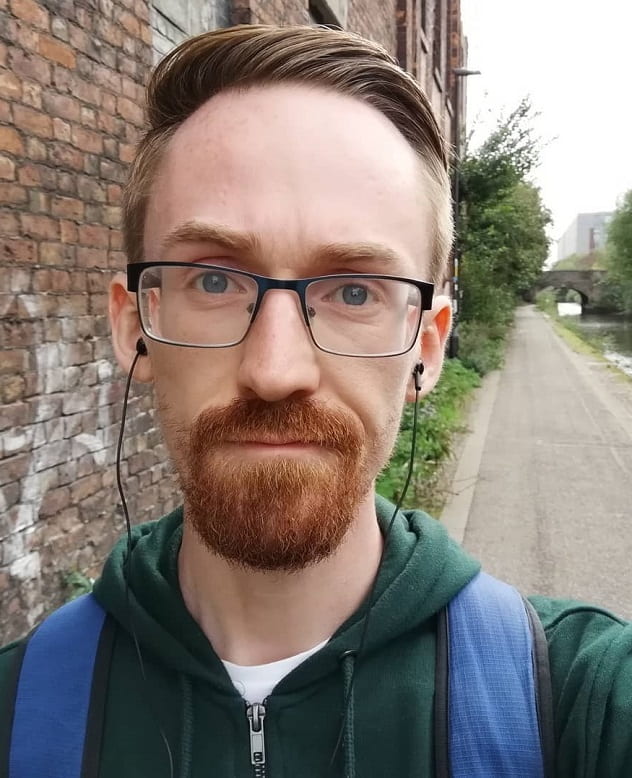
(236, 58)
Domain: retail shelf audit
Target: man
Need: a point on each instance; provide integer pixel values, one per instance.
(290, 154)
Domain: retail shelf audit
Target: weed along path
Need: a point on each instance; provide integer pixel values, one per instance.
(550, 494)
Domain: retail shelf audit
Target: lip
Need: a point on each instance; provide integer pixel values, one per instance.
(273, 443)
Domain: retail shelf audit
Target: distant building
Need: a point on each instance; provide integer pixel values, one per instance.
(587, 233)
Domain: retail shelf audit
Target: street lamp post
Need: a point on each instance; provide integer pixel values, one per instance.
(459, 73)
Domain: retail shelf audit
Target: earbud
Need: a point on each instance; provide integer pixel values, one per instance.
(141, 348)
(418, 371)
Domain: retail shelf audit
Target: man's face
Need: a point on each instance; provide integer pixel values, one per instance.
(299, 172)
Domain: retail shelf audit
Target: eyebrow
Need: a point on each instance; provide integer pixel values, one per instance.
(249, 244)
(198, 232)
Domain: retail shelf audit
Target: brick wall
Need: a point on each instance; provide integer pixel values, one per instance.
(71, 76)
(71, 92)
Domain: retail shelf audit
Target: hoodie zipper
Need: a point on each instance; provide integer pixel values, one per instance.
(256, 714)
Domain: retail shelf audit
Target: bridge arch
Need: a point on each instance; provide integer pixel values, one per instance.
(585, 282)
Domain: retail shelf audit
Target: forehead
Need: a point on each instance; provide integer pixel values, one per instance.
(297, 167)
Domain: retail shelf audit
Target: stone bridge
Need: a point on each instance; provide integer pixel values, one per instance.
(585, 282)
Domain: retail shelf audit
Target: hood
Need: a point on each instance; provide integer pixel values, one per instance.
(422, 570)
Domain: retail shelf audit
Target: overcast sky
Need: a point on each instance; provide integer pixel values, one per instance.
(573, 57)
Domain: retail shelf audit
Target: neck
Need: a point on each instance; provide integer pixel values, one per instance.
(252, 617)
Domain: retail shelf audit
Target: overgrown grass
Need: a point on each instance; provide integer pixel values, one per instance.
(440, 417)
(482, 345)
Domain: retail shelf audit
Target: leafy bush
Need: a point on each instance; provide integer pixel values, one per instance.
(482, 345)
(438, 420)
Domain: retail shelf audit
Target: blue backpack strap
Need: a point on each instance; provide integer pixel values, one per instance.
(492, 715)
(50, 719)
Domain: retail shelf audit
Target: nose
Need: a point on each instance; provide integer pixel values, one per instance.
(279, 358)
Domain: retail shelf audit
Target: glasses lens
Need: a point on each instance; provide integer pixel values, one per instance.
(364, 316)
(196, 305)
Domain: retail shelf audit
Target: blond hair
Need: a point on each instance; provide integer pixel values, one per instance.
(257, 55)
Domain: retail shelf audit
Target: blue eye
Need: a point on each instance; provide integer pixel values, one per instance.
(353, 294)
(213, 282)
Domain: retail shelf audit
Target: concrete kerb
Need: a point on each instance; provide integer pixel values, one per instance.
(456, 511)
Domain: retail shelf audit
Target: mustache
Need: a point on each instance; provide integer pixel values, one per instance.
(303, 420)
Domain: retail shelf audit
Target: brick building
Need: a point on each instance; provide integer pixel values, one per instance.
(71, 93)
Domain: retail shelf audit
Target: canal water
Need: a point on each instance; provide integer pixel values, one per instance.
(613, 334)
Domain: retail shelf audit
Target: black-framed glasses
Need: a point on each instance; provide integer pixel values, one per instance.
(209, 306)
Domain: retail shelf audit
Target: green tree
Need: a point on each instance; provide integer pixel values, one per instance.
(503, 222)
(619, 253)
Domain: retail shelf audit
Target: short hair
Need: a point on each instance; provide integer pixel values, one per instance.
(245, 56)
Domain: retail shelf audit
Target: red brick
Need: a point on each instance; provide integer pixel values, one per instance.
(130, 24)
(112, 216)
(69, 231)
(14, 468)
(106, 7)
(130, 110)
(127, 152)
(11, 193)
(56, 253)
(37, 175)
(141, 9)
(31, 12)
(36, 150)
(30, 66)
(56, 51)
(10, 85)
(5, 111)
(62, 130)
(65, 156)
(94, 236)
(87, 140)
(9, 224)
(7, 168)
(32, 95)
(18, 250)
(107, 78)
(11, 141)
(33, 122)
(25, 36)
(49, 280)
(146, 34)
(109, 32)
(87, 92)
(39, 202)
(88, 116)
(79, 39)
(87, 257)
(38, 226)
(108, 102)
(67, 208)
(115, 194)
(85, 17)
(116, 240)
(63, 106)
(4, 52)
(91, 189)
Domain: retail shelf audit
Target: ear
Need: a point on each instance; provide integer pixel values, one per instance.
(126, 329)
(435, 330)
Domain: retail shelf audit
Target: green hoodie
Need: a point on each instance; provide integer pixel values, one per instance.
(189, 695)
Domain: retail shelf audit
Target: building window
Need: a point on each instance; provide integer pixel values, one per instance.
(437, 43)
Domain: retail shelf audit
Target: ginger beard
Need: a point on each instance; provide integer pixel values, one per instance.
(279, 512)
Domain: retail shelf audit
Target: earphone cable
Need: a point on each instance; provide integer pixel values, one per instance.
(127, 564)
(373, 591)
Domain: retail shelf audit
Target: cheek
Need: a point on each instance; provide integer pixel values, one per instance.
(189, 380)
(380, 407)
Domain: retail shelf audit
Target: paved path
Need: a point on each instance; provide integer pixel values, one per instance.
(551, 505)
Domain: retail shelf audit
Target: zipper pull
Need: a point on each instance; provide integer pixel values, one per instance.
(256, 714)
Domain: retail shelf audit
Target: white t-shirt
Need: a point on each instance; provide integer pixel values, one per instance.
(255, 682)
